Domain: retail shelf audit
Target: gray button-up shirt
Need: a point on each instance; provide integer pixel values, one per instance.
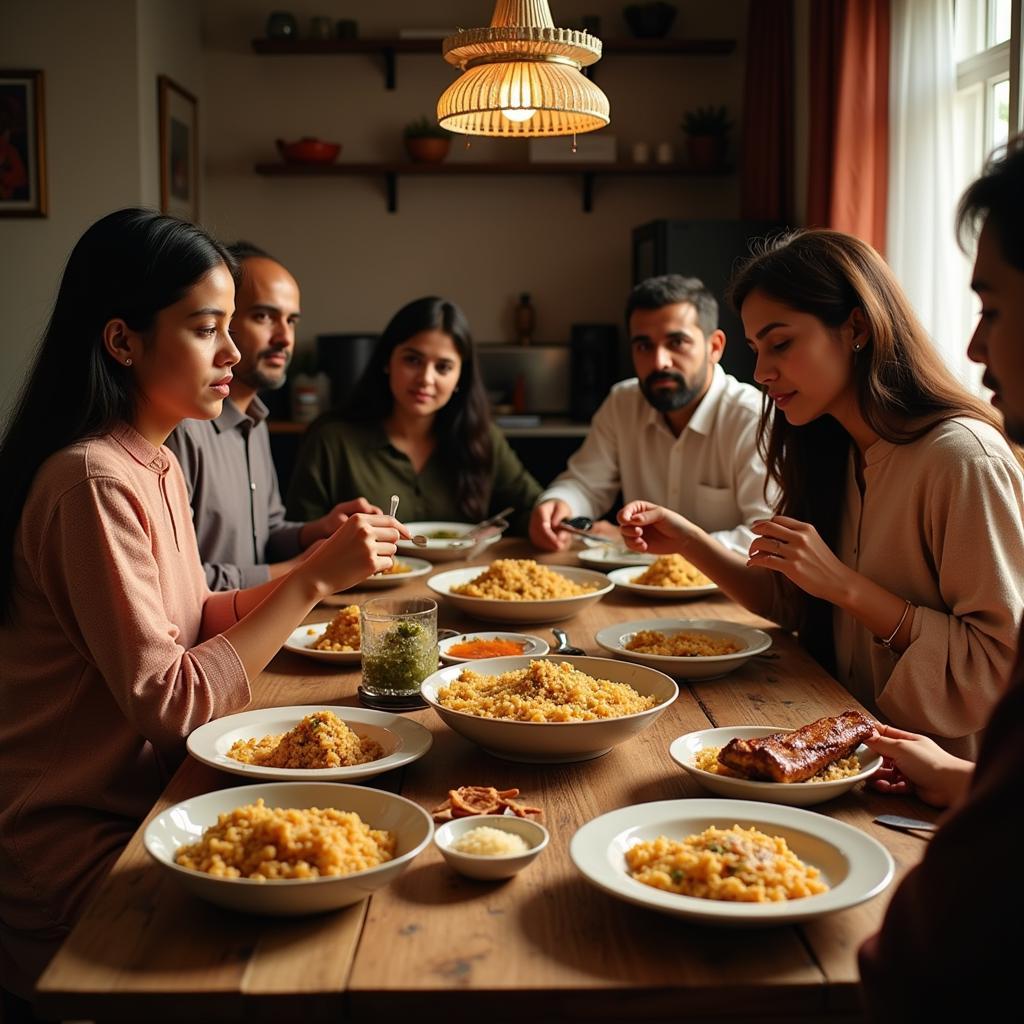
(236, 504)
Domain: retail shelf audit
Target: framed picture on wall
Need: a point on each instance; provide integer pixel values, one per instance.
(179, 151)
(22, 144)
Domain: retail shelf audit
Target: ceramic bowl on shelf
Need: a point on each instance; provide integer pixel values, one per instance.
(308, 150)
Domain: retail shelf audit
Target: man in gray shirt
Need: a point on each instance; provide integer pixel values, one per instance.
(244, 538)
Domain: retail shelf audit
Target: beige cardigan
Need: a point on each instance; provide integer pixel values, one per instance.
(940, 524)
(111, 658)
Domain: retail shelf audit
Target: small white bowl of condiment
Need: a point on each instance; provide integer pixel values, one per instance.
(490, 846)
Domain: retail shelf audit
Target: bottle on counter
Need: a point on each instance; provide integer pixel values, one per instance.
(525, 320)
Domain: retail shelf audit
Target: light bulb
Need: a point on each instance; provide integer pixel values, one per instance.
(518, 115)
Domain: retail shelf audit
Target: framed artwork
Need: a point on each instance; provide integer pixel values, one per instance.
(179, 151)
(22, 144)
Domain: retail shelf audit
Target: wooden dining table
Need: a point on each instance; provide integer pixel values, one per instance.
(543, 946)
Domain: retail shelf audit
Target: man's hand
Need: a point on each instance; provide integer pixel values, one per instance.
(546, 516)
(324, 527)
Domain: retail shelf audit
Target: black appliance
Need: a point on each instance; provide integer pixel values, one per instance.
(343, 357)
(710, 250)
(593, 367)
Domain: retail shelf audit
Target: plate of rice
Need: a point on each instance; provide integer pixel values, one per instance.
(520, 590)
(316, 742)
(670, 577)
(549, 709)
(685, 648)
(731, 863)
(338, 640)
(697, 754)
(288, 848)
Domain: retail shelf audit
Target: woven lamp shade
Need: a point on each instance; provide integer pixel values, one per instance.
(521, 77)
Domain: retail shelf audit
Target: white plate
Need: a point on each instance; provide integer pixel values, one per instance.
(684, 749)
(554, 742)
(608, 556)
(184, 823)
(533, 647)
(302, 639)
(440, 550)
(755, 641)
(855, 866)
(417, 567)
(403, 740)
(551, 610)
(623, 578)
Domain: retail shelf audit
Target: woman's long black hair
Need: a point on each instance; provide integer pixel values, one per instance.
(462, 426)
(129, 265)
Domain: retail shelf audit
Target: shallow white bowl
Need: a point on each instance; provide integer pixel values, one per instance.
(441, 550)
(403, 740)
(609, 556)
(490, 869)
(551, 610)
(623, 579)
(534, 646)
(417, 567)
(184, 823)
(855, 866)
(755, 641)
(554, 742)
(684, 749)
(302, 639)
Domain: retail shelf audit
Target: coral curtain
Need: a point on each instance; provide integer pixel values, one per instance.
(766, 188)
(848, 158)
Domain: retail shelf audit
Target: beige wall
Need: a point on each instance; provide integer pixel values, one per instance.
(100, 61)
(479, 241)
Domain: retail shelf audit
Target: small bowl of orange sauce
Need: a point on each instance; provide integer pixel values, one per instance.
(475, 646)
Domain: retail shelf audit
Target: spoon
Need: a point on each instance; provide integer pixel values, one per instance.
(564, 647)
(419, 540)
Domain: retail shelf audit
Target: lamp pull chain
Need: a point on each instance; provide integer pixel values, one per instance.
(574, 142)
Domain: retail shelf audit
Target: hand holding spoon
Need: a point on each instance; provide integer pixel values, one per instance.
(419, 540)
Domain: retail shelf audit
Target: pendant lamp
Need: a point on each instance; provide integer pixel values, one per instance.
(521, 77)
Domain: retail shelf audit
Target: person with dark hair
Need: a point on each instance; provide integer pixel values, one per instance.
(244, 536)
(896, 545)
(418, 425)
(113, 648)
(682, 432)
(948, 947)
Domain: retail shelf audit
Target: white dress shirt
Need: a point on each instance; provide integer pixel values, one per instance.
(711, 473)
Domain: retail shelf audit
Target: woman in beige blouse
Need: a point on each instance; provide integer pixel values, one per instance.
(896, 550)
(112, 646)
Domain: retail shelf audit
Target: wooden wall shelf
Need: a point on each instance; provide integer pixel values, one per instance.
(388, 48)
(391, 172)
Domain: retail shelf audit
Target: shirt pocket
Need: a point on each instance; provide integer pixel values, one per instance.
(716, 508)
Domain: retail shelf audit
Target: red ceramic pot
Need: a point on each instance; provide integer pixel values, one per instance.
(308, 151)
(427, 149)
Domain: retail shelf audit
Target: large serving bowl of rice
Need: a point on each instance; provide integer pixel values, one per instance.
(813, 866)
(368, 852)
(520, 590)
(551, 714)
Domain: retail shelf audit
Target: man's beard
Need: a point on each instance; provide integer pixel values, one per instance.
(670, 399)
(259, 380)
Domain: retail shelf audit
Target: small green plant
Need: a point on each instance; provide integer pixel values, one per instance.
(424, 128)
(707, 121)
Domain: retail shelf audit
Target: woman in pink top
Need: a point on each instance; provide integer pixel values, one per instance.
(895, 550)
(113, 648)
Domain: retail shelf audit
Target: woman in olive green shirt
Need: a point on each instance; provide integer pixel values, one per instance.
(418, 426)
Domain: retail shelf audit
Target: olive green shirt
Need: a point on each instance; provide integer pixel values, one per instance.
(340, 460)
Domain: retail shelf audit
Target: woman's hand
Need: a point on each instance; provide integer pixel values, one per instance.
(648, 527)
(364, 544)
(319, 529)
(797, 551)
(938, 777)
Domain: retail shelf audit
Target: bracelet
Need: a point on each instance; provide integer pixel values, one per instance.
(887, 642)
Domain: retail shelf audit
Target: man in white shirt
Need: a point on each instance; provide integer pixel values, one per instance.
(682, 433)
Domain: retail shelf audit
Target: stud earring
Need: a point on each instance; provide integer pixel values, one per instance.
(128, 362)
(857, 347)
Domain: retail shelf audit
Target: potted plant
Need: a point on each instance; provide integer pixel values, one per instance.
(425, 141)
(707, 137)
